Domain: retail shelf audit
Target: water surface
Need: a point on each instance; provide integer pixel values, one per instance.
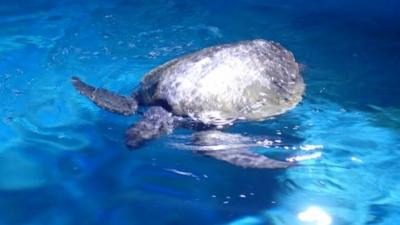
(63, 160)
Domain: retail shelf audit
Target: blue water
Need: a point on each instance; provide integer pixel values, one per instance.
(63, 160)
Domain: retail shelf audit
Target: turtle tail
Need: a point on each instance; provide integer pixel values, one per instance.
(106, 99)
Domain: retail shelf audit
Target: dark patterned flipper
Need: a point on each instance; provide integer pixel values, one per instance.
(106, 99)
(246, 158)
(232, 148)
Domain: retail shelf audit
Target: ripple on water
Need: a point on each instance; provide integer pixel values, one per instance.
(344, 180)
(7, 134)
(60, 138)
(19, 170)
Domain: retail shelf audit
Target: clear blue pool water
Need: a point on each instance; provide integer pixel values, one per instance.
(63, 160)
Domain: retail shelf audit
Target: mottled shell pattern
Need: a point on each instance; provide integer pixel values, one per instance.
(247, 80)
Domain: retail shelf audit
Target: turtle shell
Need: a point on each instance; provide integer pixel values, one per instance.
(247, 80)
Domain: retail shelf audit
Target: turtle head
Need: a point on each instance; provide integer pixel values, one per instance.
(155, 122)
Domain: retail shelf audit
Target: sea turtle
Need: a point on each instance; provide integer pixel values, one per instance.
(214, 87)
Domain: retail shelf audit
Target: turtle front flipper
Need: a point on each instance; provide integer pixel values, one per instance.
(155, 122)
(246, 158)
(106, 99)
(233, 148)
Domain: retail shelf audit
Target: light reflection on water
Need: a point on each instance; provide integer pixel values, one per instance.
(343, 180)
(315, 215)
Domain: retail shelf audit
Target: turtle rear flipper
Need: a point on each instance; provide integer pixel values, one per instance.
(106, 99)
